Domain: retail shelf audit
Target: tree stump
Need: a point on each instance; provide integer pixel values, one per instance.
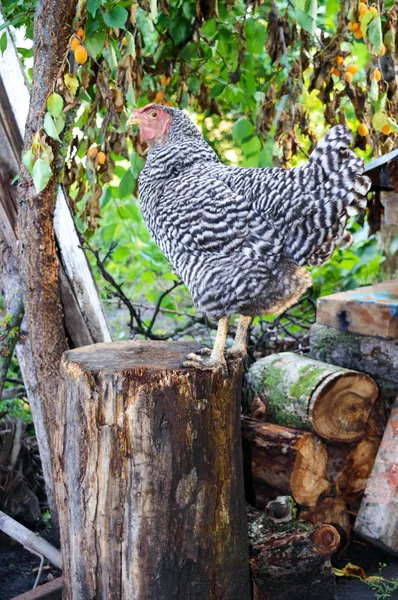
(309, 394)
(149, 476)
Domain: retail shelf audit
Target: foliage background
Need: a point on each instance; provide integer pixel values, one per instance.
(263, 81)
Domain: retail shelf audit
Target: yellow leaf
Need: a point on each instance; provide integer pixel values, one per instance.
(350, 570)
(71, 82)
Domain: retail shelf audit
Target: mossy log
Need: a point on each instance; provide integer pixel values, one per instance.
(283, 460)
(149, 477)
(373, 355)
(289, 559)
(308, 394)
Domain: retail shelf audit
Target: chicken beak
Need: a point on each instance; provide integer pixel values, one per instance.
(133, 120)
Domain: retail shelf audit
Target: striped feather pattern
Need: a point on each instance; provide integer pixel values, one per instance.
(240, 238)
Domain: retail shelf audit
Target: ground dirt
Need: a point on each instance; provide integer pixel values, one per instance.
(18, 570)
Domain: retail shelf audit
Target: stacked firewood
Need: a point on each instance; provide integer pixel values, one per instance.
(313, 434)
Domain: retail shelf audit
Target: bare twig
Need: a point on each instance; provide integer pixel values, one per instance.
(15, 392)
(40, 571)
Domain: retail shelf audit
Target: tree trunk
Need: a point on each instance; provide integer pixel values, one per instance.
(372, 355)
(316, 396)
(283, 460)
(377, 519)
(38, 263)
(149, 476)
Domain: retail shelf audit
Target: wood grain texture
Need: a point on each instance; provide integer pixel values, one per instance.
(283, 460)
(370, 310)
(149, 476)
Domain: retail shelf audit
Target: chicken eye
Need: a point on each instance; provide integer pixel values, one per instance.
(154, 115)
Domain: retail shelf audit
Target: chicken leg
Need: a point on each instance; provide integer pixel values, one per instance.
(239, 349)
(216, 360)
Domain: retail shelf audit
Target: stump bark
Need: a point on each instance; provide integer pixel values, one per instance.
(149, 476)
(308, 394)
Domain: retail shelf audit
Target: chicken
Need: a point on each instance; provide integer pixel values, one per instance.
(240, 238)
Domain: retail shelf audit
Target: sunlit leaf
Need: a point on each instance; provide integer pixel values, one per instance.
(55, 105)
(95, 43)
(49, 127)
(41, 174)
(71, 82)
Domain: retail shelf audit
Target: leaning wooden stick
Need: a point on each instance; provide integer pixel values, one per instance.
(27, 538)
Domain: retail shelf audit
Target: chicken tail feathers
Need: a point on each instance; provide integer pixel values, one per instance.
(336, 190)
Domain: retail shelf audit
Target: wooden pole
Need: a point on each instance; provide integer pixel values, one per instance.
(149, 476)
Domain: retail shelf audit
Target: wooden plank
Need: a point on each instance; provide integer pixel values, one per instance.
(377, 519)
(370, 310)
(73, 258)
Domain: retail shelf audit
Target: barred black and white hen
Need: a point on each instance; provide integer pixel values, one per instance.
(240, 238)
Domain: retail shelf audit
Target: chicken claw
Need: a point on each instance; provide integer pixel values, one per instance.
(206, 364)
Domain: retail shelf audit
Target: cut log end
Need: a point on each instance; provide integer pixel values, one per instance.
(332, 511)
(325, 539)
(308, 479)
(342, 405)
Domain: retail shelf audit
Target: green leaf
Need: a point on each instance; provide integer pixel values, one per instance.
(375, 34)
(180, 30)
(148, 277)
(3, 42)
(41, 174)
(253, 146)
(110, 56)
(153, 7)
(392, 124)
(27, 159)
(59, 122)
(256, 35)
(95, 42)
(116, 17)
(55, 105)
(193, 84)
(217, 89)
(306, 14)
(367, 18)
(126, 184)
(209, 29)
(93, 6)
(71, 82)
(379, 120)
(130, 43)
(374, 90)
(164, 51)
(242, 129)
(49, 127)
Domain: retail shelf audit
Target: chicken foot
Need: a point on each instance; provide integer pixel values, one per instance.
(216, 360)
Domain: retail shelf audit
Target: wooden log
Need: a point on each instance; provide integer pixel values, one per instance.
(283, 460)
(372, 355)
(377, 520)
(370, 310)
(308, 394)
(288, 560)
(331, 510)
(149, 476)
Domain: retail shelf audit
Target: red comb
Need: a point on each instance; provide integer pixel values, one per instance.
(141, 110)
